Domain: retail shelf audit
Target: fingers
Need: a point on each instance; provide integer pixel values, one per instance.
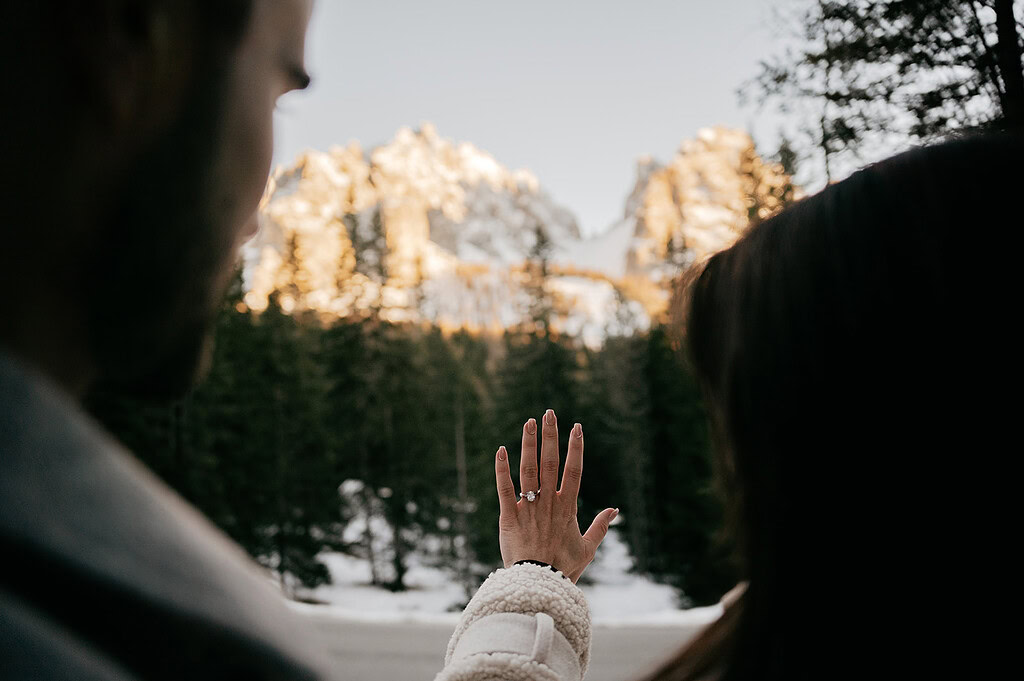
(528, 459)
(549, 454)
(573, 472)
(599, 528)
(506, 490)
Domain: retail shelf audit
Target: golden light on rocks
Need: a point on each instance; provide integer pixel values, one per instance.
(423, 229)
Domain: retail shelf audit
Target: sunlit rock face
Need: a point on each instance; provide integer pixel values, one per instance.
(419, 229)
(704, 199)
(707, 196)
(423, 228)
(304, 249)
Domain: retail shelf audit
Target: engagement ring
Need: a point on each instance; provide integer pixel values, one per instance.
(529, 496)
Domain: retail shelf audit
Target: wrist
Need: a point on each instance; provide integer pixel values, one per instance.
(514, 557)
(538, 563)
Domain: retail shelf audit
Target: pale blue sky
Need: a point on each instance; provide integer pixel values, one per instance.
(574, 90)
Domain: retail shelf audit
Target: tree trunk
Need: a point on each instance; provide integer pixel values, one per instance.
(281, 539)
(395, 510)
(637, 474)
(396, 515)
(636, 458)
(461, 524)
(368, 539)
(1008, 54)
(826, 137)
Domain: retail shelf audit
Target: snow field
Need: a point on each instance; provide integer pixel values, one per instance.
(617, 597)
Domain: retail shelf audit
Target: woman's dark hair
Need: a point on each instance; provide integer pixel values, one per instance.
(851, 349)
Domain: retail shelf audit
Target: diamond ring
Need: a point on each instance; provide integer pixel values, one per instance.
(529, 496)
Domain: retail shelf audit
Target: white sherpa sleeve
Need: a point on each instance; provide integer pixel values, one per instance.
(525, 622)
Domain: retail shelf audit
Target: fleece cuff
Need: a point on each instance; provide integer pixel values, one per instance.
(530, 589)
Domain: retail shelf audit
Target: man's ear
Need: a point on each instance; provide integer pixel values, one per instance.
(141, 62)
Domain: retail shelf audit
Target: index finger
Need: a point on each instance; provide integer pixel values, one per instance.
(503, 477)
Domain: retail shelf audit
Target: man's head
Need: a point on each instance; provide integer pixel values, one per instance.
(137, 143)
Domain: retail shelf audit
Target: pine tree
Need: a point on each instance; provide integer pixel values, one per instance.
(291, 489)
(618, 455)
(537, 269)
(870, 76)
(685, 518)
(539, 371)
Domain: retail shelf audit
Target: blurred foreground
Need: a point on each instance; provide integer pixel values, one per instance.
(415, 651)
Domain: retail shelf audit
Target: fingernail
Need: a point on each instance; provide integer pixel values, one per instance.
(531, 426)
(502, 453)
(549, 417)
(577, 430)
(615, 514)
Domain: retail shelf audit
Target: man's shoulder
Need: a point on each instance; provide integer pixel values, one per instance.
(35, 646)
(96, 544)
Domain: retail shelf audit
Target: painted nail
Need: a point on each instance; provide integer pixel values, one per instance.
(549, 417)
(577, 430)
(502, 454)
(531, 426)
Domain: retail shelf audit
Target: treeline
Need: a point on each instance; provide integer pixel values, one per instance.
(377, 440)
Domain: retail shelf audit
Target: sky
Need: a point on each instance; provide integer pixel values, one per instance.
(573, 90)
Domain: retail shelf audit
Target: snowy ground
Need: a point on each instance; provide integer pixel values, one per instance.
(616, 597)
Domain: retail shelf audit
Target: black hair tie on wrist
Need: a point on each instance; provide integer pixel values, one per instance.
(532, 562)
(537, 562)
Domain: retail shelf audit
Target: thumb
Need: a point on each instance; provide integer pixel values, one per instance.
(599, 528)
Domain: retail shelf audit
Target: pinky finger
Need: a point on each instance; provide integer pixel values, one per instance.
(506, 490)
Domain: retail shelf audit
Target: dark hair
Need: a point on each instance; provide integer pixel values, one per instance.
(155, 237)
(847, 348)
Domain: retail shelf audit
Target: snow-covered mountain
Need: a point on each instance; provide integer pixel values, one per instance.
(425, 228)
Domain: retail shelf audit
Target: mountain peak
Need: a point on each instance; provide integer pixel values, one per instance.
(423, 227)
(701, 201)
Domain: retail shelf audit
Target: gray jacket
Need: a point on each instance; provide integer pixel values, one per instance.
(105, 573)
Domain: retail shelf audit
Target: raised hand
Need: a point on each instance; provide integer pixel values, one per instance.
(541, 523)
